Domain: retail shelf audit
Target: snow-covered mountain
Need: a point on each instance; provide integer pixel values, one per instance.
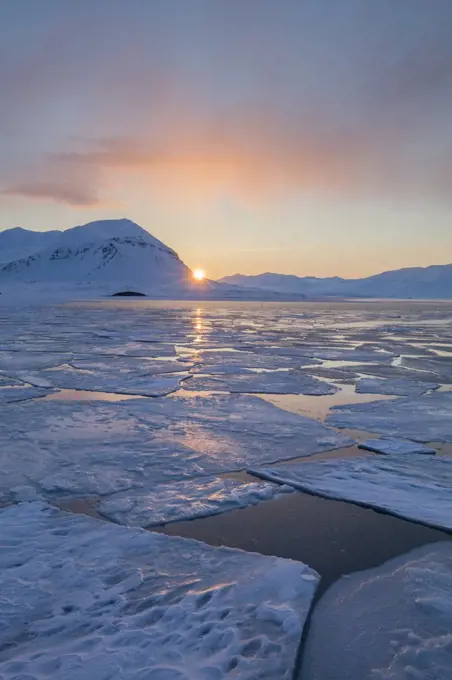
(18, 243)
(434, 282)
(108, 257)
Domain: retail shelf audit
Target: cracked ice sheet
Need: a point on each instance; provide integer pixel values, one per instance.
(88, 600)
(101, 447)
(127, 382)
(186, 499)
(394, 447)
(399, 388)
(424, 419)
(277, 382)
(395, 622)
(417, 488)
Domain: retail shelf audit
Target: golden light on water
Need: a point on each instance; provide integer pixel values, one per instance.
(199, 274)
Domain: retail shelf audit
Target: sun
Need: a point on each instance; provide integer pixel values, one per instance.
(199, 274)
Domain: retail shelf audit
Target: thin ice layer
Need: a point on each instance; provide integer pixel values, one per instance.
(186, 499)
(417, 488)
(388, 623)
(397, 387)
(98, 448)
(423, 419)
(89, 600)
(394, 447)
(276, 382)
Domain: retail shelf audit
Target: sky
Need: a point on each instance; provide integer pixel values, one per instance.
(308, 137)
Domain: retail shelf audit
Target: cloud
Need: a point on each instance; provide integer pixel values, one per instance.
(309, 104)
(72, 195)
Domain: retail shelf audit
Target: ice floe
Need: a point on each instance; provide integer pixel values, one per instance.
(425, 419)
(99, 447)
(397, 387)
(271, 382)
(11, 394)
(417, 488)
(394, 447)
(389, 623)
(88, 600)
(186, 499)
(215, 362)
(127, 382)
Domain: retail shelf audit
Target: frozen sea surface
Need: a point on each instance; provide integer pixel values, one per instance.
(389, 623)
(186, 499)
(417, 488)
(88, 600)
(98, 448)
(394, 447)
(275, 382)
(425, 419)
(10, 394)
(397, 387)
(122, 382)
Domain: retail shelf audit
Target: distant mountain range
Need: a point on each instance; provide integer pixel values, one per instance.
(433, 282)
(104, 258)
(113, 256)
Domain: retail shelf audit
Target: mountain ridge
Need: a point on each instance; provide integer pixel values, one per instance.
(110, 256)
(431, 282)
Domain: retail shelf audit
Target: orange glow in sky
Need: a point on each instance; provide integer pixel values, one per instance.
(199, 274)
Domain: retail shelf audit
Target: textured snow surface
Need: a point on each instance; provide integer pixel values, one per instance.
(399, 388)
(417, 488)
(424, 419)
(97, 447)
(389, 623)
(87, 600)
(276, 382)
(394, 447)
(186, 499)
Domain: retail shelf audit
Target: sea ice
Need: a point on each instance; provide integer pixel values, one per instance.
(126, 382)
(397, 387)
(425, 419)
(274, 382)
(388, 623)
(394, 447)
(216, 362)
(88, 600)
(10, 394)
(417, 488)
(98, 448)
(185, 499)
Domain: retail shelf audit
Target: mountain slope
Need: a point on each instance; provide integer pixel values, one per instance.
(18, 243)
(109, 253)
(112, 256)
(434, 282)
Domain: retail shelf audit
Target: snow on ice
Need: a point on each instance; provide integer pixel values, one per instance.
(425, 419)
(388, 623)
(186, 499)
(417, 488)
(98, 448)
(88, 600)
